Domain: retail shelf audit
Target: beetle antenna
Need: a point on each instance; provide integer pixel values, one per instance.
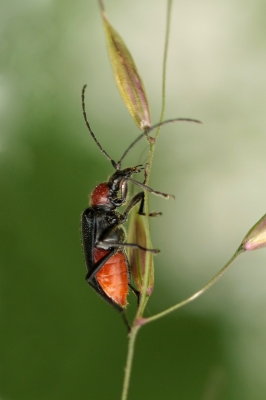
(148, 130)
(114, 164)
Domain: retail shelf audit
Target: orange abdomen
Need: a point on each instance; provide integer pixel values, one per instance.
(113, 276)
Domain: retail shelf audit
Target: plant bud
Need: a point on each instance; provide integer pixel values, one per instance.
(256, 237)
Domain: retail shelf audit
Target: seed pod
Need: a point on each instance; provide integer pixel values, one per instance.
(126, 76)
(137, 258)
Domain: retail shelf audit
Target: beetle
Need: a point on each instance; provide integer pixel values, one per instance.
(103, 236)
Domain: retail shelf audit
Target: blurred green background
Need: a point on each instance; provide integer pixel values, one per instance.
(58, 339)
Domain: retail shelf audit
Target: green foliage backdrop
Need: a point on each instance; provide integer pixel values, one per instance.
(58, 339)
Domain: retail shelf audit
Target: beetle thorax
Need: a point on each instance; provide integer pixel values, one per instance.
(100, 196)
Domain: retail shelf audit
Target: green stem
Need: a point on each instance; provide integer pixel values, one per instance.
(197, 294)
(166, 42)
(144, 298)
(128, 366)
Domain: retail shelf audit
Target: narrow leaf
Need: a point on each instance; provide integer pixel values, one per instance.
(126, 76)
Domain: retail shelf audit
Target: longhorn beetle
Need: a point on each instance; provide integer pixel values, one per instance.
(103, 236)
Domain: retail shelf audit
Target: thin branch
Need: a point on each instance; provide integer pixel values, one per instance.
(195, 295)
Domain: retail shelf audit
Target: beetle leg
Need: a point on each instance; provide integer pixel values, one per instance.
(121, 310)
(124, 317)
(165, 195)
(139, 197)
(136, 293)
(141, 207)
(117, 245)
(145, 173)
(97, 266)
